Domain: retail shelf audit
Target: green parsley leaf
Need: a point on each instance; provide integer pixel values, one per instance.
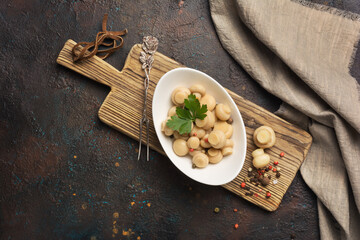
(179, 124)
(184, 117)
(183, 113)
(194, 107)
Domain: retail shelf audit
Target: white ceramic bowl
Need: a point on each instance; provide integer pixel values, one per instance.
(213, 174)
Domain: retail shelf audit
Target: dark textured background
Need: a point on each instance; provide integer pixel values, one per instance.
(58, 162)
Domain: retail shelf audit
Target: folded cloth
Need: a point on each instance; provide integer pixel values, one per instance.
(301, 52)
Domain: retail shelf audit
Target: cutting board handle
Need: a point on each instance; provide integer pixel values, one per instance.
(94, 68)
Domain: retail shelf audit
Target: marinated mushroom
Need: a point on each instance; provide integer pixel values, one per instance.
(172, 111)
(196, 151)
(184, 136)
(180, 147)
(193, 142)
(205, 141)
(214, 155)
(209, 101)
(217, 139)
(260, 158)
(227, 151)
(264, 137)
(198, 132)
(200, 160)
(179, 95)
(197, 88)
(222, 111)
(225, 127)
(167, 131)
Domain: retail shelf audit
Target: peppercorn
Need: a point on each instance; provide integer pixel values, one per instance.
(243, 185)
(195, 134)
(270, 167)
(216, 210)
(206, 140)
(268, 194)
(235, 210)
(250, 169)
(262, 171)
(274, 169)
(236, 226)
(282, 154)
(191, 150)
(278, 174)
(276, 162)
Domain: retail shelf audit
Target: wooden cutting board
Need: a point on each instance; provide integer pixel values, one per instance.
(122, 110)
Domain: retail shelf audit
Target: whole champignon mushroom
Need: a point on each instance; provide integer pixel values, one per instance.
(209, 101)
(197, 88)
(217, 139)
(203, 123)
(172, 111)
(204, 142)
(193, 142)
(210, 120)
(198, 132)
(227, 151)
(200, 160)
(264, 137)
(184, 136)
(214, 155)
(222, 111)
(196, 151)
(179, 95)
(225, 127)
(260, 159)
(180, 147)
(167, 131)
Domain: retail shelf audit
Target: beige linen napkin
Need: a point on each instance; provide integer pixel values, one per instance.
(301, 53)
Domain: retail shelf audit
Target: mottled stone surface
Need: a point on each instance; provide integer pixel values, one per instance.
(66, 175)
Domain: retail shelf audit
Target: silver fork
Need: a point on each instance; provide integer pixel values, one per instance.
(150, 45)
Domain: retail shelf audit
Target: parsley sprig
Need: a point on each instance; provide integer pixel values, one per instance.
(192, 110)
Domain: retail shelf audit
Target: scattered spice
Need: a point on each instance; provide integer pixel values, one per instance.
(276, 162)
(236, 226)
(266, 169)
(270, 167)
(195, 134)
(193, 166)
(278, 174)
(216, 210)
(243, 185)
(247, 188)
(250, 169)
(260, 190)
(264, 181)
(132, 203)
(282, 154)
(268, 194)
(148, 204)
(75, 156)
(278, 169)
(263, 171)
(256, 195)
(235, 210)
(274, 169)
(206, 140)
(275, 181)
(117, 164)
(191, 150)
(115, 215)
(114, 36)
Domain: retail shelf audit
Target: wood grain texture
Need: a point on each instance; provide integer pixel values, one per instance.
(122, 110)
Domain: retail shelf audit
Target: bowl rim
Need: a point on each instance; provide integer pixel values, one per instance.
(243, 133)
